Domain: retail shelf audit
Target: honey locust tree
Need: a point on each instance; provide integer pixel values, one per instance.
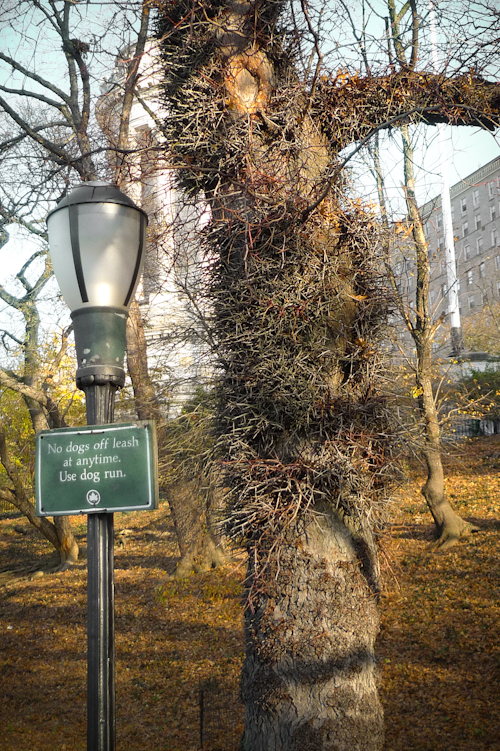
(256, 124)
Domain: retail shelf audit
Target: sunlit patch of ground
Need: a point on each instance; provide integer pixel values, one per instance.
(178, 642)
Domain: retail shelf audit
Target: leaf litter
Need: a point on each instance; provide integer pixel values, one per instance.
(179, 643)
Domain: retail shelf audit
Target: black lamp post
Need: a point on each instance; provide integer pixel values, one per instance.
(96, 238)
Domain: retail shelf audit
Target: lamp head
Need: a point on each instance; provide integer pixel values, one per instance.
(96, 239)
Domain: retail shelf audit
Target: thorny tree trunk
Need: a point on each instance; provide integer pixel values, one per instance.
(309, 673)
(286, 296)
(449, 525)
(297, 314)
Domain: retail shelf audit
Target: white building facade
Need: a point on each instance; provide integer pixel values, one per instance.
(170, 294)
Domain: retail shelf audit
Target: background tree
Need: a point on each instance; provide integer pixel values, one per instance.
(482, 328)
(297, 314)
(46, 138)
(69, 130)
(36, 379)
(419, 318)
(138, 163)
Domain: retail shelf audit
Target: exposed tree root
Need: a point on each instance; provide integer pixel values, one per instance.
(211, 557)
(448, 538)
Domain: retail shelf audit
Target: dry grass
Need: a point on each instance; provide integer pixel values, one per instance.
(439, 649)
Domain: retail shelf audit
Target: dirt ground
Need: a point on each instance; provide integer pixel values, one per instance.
(179, 645)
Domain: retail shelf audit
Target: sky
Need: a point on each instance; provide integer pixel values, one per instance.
(468, 148)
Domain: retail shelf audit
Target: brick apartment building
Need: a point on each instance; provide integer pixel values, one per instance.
(475, 204)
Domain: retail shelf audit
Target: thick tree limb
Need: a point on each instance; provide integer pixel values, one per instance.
(35, 77)
(349, 111)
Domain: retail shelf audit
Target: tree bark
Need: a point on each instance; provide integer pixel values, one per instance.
(200, 545)
(145, 398)
(294, 356)
(68, 546)
(450, 527)
(309, 679)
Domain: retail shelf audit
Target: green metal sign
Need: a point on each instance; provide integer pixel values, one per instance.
(96, 469)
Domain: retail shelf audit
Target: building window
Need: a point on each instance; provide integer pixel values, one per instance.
(463, 205)
(484, 299)
(475, 197)
(498, 289)
(467, 253)
(494, 239)
(470, 277)
(482, 270)
(479, 244)
(409, 284)
(497, 262)
(439, 221)
(491, 189)
(477, 221)
(432, 295)
(465, 229)
(471, 302)
(493, 213)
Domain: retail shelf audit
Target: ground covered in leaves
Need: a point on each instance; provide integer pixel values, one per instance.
(179, 645)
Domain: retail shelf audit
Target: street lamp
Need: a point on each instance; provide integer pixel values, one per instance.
(96, 239)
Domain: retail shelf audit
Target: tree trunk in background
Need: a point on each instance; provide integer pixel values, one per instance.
(199, 542)
(196, 543)
(449, 525)
(200, 545)
(145, 398)
(68, 547)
